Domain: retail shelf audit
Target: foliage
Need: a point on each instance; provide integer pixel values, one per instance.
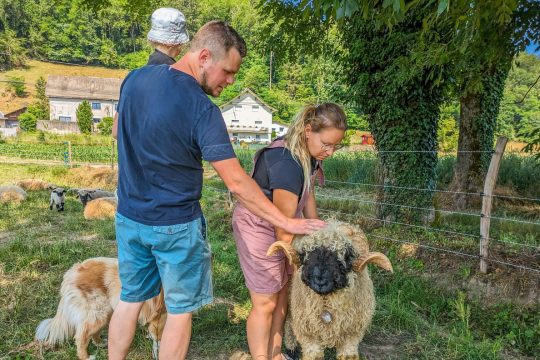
(17, 86)
(84, 117)
(447, 131)
(402, 104)
(42, 100)
(105, 125)
(534, 145)
(12, 52)
(27, 121)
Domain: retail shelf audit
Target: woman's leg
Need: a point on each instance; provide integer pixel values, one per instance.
(259, 323)
(278, 319)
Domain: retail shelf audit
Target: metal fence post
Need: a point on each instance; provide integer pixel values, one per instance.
(487, 200)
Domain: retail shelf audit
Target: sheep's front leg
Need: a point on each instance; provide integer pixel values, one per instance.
(348, 350)
(312, 352)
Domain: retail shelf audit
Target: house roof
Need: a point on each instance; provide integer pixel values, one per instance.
(244, 92)
(83, 87)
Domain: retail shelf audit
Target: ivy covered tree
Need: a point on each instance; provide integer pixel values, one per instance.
(84, 117)
(401, 102)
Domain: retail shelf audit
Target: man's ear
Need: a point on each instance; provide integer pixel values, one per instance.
(204, 56)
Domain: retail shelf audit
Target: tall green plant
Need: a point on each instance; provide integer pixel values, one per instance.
(84, 117)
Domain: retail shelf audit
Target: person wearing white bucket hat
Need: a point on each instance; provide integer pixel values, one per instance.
(168, 36)
(166, 127)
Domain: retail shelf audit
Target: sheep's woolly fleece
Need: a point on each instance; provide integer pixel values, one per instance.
(12, 193)
(336, 236)
(34, 184)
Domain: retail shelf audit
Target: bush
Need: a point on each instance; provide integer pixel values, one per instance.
(41, 137)
(105, 126)
(16, 84)
(27, 121)
(84, 117)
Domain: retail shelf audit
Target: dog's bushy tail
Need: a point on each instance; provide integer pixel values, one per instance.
(54, 331)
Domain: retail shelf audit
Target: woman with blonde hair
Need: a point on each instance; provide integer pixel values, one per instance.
(286, 171)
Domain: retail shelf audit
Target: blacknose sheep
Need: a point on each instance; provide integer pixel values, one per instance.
(34, 184)
(57, 199)
(100, 209)
(85, 195)
(12, 193)
(331, 297)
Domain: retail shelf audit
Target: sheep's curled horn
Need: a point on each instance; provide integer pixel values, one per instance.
(359, 264)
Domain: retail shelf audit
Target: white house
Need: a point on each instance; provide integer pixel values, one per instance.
(279, 129)
(65, 94)
(248, 118)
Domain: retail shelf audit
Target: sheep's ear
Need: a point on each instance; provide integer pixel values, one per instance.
(376, 258)
(288, 250)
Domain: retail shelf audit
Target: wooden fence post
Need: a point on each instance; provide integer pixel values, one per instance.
(69, 154)
(487, 200)
(112, 154)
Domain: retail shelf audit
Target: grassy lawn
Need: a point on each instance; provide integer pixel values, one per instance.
(424, 309)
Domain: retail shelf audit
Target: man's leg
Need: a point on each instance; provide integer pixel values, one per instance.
(122, 329)
(176, 336)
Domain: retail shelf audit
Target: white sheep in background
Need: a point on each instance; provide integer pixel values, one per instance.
(57, 199)
(34, 184)
(12, 193)
(331, 297)
(86, 195)
(100, 209)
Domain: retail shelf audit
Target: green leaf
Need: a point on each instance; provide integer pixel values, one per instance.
(443, 5)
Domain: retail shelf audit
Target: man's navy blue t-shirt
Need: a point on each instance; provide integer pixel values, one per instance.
(166, 127)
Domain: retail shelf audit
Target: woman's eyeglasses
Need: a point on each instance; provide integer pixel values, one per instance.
(328, 147)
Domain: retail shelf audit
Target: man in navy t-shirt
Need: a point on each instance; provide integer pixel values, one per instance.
(165, 128)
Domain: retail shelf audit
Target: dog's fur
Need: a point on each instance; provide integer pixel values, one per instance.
(90, 291)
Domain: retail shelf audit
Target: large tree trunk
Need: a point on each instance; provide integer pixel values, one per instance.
(478, 118)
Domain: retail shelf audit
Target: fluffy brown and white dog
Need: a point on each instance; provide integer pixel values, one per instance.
(90, 291)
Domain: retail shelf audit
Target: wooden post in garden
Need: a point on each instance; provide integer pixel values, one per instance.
(69, 154)
(112, 154)
(487, 200)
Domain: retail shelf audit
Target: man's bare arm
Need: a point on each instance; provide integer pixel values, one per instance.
(246, 190)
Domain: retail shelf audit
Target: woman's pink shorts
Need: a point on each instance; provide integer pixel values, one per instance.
(253, 235)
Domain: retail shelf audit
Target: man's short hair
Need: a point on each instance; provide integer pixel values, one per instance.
(218, 37)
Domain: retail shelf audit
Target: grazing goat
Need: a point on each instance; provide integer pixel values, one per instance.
(331, 297)
(100, 209)
(12, 193)
(57, 199)
(86, 195)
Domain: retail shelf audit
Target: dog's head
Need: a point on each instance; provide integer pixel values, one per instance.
(327, 257)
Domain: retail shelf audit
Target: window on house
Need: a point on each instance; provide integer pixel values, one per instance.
(235, 121)
(258, 137)
(237, 106)
(96, 120)
(255, 108)
(258, 122)
(281, 129)
(64, 118)
(234, 134)
(96, 106)
(115, 106)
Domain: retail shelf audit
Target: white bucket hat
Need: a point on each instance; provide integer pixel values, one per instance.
(168, 27)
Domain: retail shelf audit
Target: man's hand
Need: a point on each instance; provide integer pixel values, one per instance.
(303, 226)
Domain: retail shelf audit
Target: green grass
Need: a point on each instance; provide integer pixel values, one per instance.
(417, 317)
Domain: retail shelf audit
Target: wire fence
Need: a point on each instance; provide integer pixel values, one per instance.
(528, 244)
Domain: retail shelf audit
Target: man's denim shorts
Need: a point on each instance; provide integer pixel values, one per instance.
(176, 257)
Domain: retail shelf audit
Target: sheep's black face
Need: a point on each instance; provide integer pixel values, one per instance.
(323, 272)
(85, 198)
